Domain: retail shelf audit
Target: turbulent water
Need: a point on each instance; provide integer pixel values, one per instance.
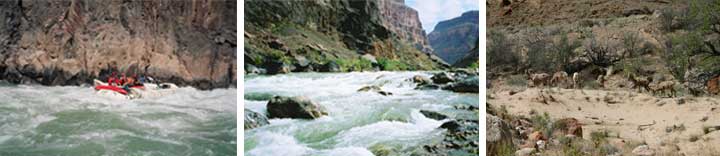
(358, 122)
(39, 120)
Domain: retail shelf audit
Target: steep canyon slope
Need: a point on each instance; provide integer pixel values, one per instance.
(72, 42)
(296, 36)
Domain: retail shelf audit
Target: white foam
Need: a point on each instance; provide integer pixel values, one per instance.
(275, 144)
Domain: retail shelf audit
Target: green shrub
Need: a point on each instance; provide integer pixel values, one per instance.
(354, 64)
(391, 65)
(500, 51)
(564, 51)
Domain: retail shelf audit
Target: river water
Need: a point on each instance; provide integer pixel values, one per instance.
(358, 122)
(73, 120)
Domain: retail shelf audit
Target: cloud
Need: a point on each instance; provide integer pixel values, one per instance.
(433, 11)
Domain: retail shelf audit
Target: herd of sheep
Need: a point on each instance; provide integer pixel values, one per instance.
(562, 78)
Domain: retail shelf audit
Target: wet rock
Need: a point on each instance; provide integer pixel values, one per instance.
(331, 66)
(466, 85)
(369, 88)
(385, 93)
(254, 119)
(251, 69)
(421, 80)
(294, 107)
(302, 64)
(277, 67)
(442, 78)
(433, 115)
(643, 150)
(427, 87)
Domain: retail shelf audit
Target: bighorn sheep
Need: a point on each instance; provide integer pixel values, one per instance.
(664, 87)
(642, 83)
(558, 78)
(540, 79)
(576, 80)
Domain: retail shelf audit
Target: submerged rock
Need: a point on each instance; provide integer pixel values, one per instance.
(254, 119)
(433, 115)
(294, 107)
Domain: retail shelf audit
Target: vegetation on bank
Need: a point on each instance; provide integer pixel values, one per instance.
(293, 44)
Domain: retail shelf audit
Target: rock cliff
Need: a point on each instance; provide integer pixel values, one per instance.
(72, 42)
(297, 36)
(453, 39)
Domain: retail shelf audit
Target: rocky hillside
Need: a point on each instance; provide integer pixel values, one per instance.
(454, 38)
(342, 35)
(72, 42)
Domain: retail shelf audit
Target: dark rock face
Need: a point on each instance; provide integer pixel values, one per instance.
(347, 30)
(189, 43)
(254, 119)
(294, 107)
(472, 56)
(331, 66)
(453, 39)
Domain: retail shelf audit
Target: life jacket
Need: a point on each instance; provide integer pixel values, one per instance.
(111, 80)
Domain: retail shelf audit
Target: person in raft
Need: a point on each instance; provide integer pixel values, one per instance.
(112, 80)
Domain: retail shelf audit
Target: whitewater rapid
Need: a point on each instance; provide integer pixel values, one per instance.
(358, 122)
(74, 120)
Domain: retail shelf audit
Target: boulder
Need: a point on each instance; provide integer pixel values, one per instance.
(254, 119)
(643, 150)
(331, 66)
(467, 85)
(442, 78)
(294, 107)
(421, 80)
(525, 152)
(497, 134)
(251, 69)
(433, 115)
(277, 67)
(302, 64)
(369, 88)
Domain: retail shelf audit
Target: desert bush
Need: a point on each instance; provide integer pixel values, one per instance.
(500, 51)
(678, 53)
(632, 44)
(542, 122)
(539, 52)
(600, 54)
(564, 51)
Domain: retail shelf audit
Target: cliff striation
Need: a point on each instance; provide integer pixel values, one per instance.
(72, 42)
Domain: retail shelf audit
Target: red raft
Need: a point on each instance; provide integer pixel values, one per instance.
(99, 85)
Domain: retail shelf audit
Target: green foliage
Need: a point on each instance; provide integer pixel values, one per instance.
(564, 51)
(348, 65)
(474, 65)
(391, 65)
(678, 53)
(599, 137)
(539, 53)
(500, 51)
(542, 123)
(505, 149)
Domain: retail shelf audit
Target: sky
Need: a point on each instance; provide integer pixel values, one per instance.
(433, 11)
